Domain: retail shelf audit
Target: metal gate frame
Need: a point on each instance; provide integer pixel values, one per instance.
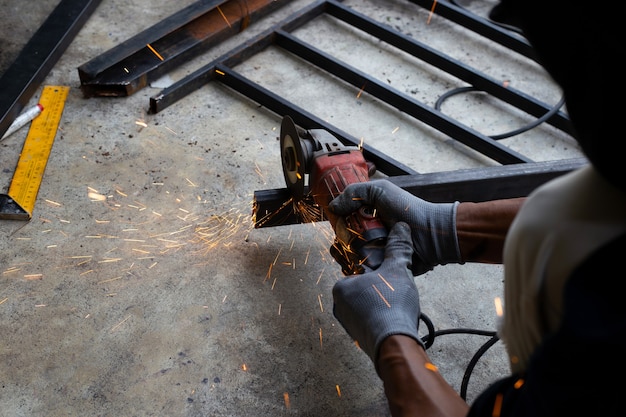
(517, 176)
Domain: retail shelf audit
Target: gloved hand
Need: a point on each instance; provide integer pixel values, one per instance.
(433, 225)
(384, 302)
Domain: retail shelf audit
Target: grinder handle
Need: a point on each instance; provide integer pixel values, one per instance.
(363, 242)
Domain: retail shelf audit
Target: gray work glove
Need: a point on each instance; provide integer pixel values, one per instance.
(381, 303)
(433, 225)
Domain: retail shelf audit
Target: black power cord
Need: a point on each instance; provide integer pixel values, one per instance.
(429, 339)
(515, 132)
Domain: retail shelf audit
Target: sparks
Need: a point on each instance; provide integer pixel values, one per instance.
(119, 324)
(386, 282)
(224, 16)
(498, 302)
(431, 366)
(381, 296)
(432, 11)
(286, 398)
(154, 51)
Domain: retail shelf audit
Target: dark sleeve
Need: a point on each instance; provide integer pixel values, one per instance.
(578, 370)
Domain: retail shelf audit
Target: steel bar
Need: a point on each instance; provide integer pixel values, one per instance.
(205, 74)
(22, 79)
(280, 36)
(479, 25)
(141, 62)
(305, 119)
(273, 207)
(447, 125)
(452, 66)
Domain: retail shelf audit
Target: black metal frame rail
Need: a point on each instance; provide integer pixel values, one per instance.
(22, 79)
(511, 182)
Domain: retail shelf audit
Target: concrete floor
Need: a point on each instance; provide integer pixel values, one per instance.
(140, 288)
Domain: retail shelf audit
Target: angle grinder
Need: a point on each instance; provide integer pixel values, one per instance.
(316, 164)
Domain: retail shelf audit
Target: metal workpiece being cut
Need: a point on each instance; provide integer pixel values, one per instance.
(330, 166)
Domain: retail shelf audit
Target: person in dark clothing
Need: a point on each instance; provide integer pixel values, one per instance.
(564, 328)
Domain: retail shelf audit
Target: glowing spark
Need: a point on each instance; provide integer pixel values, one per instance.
(109, 280)
(306, 259)
(319, 300)
(360, 92)
(109, 260)
(386, 282)
(33, 276)
(141, 123)
(54, 203)
(220, 72)
(126, 70)
(224, 16)
(320, 277)
(518, 384)
(154, 51)
(190, 182)
(498, 302)
(273, 283)
(51, 246)
(277, 255)
(153, 265)
(2, 301)
(244, 367)
(286, 398)
(497, 406)
(432, 10)
(381, 296)
(431, 367)
(224, 299)
(119, 324)
(395, 130)
(121, 193)
(86, 272)
(321, 338)
(40, 305)
(280, 306)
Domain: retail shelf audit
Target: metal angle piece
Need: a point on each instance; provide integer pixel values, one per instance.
(271, 207)
(148, 56)
(22, 79)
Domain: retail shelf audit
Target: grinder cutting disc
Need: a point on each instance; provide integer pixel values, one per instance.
(293, 157)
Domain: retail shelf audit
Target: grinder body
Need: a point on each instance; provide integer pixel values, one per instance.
(332, 166)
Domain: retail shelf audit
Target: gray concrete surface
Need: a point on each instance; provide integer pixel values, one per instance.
(140, 288)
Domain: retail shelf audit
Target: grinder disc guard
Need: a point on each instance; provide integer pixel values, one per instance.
(294, 157)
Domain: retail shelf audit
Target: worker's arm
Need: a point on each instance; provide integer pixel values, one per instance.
(441, 233)
(482, 227)
(413, 385)
(380, 310)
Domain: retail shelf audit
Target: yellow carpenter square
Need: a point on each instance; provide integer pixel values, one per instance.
(34, 157)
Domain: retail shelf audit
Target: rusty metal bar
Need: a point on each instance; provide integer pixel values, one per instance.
(22, 79)
(273, 207)
(154, 52)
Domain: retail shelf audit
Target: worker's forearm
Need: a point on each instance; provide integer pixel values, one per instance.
(482, 228)
(413, 385)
